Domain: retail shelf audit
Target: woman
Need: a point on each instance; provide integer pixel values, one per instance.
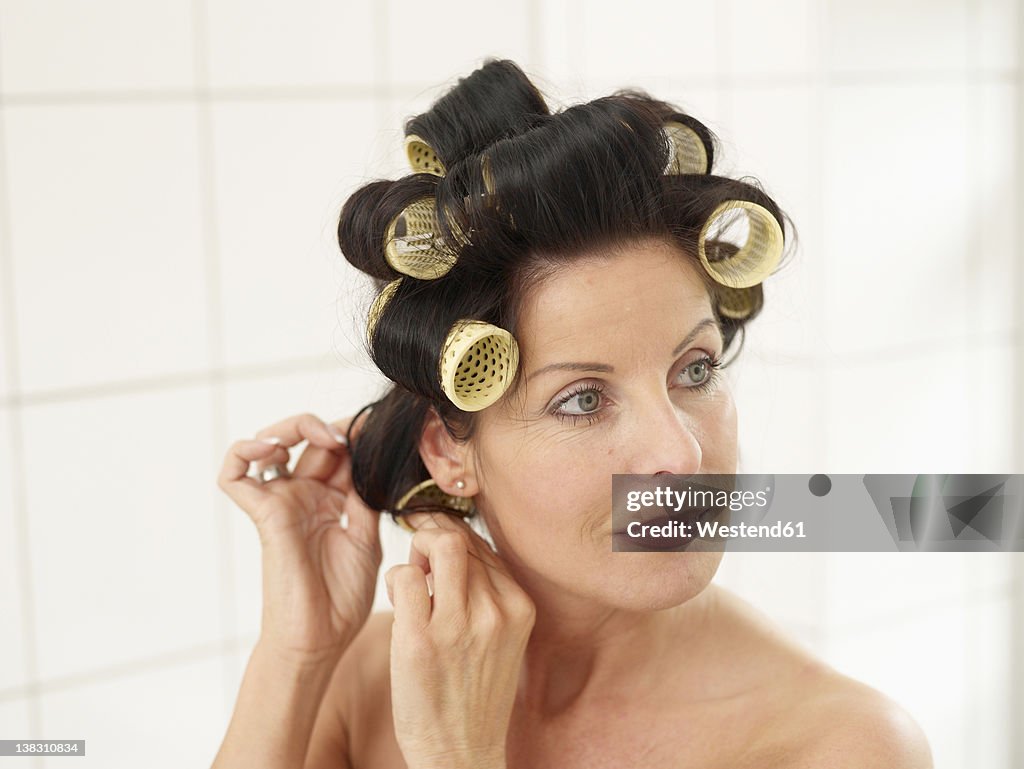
(554, 308)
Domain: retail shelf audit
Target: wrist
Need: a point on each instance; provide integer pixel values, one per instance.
(461, 761)
(299, 662)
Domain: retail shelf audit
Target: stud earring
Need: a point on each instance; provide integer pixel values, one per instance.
(460, 484)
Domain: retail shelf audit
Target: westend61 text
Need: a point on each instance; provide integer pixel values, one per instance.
(715, 530)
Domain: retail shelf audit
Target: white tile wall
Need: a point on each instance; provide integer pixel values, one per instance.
(989, 711)
(994, 206)
(309, 42)
(281, 173)
(174, 174)
(14, 662)
(667, 41)
(780, 155)
(6, 308)
(770, 40)
(874, 36)
(899, 412)
(15, 719)
(994, 35)
(895, 214)
(774, 398)
(64, 46)
(878, 589)
(428, 47)
(105, 228)
(171, 716)
(123, 541)
(991, 385)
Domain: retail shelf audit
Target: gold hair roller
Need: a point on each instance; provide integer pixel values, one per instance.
(414, 247)
(378, 306)
(756, 259)
(739, 303)
(478, 362)
(428, 494)
(422, 157)
(687, 154)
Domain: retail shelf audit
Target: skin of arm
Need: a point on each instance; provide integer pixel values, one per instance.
(276, 709)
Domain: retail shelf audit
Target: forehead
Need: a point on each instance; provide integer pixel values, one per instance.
(632, 292)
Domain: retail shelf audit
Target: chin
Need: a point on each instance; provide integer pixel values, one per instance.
(658, 581)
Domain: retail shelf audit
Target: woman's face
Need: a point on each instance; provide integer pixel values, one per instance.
(615, 352)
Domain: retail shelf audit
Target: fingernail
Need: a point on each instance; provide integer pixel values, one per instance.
(274, 441)
(336, 433)
(343, 521)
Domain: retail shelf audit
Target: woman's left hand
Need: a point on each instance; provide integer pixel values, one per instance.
(456, 655)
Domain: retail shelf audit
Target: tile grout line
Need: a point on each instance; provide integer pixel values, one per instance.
(723, 79)
(974, 196)
(173, 381)
(818, 22)
(23, 551)
(358, 92)
(127, 668)
(382, 91)
(534, 35)
(1016, 673)
(215, 330)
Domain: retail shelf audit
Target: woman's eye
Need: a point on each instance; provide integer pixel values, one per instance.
(587, 402)
(697, 371)
(584, 402)
(702, 374)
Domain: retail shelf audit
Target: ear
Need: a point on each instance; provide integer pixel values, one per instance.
(447, 460)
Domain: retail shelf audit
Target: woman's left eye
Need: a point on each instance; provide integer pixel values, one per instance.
(708, 377)
(587, 398)
(703, 375)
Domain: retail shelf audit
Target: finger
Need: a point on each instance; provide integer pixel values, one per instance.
(496, 569)
(279, 456)
(444, 554)
(246, 492)
(407, 589)
(318, 463)
(479, 546)
(363, 522)
(296, 429)
(339, 475)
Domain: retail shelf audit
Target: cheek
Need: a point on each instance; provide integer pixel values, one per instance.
(719, 435)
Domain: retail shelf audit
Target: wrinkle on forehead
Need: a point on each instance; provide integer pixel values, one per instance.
(552, 312)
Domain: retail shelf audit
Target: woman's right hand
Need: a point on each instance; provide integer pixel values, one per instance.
(318, 578)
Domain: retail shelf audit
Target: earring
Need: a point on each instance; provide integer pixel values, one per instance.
(427, 495)
(460, 484)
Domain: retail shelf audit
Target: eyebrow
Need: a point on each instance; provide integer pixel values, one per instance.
(604, 367)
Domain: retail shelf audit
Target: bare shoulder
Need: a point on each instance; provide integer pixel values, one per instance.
(853, 725)
(814, 715)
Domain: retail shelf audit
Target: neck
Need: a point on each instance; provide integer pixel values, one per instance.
(582, 654)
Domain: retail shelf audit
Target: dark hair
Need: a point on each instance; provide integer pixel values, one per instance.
(535, 191)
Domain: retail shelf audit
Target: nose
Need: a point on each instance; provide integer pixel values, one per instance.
(668, 441)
